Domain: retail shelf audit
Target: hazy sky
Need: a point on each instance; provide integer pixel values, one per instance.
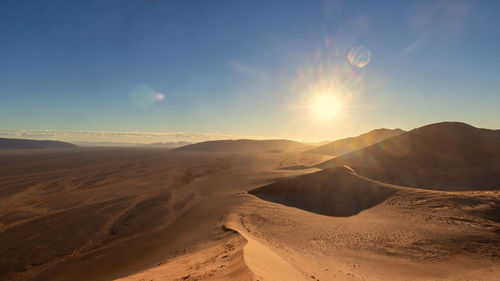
(247, 68)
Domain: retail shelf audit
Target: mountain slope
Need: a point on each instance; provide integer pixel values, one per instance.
(243, 145)
(447, 155)
(347, 145)
(8, 144)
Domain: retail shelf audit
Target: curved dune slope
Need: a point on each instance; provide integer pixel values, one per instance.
(260, 259)
(333, 192)
(442, 156)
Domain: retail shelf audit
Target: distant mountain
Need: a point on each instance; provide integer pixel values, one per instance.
(8, 144)
(447, 155)
(244, 145)
(347, 145)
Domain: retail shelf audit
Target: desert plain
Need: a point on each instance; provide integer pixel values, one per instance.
(416, 205)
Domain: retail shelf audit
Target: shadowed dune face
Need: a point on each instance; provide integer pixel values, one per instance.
(443, 156)
(333, 192)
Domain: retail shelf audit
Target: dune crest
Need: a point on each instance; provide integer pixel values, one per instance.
(15, 144)
(244, 145)
(263, 262)
(347, 145)
(215, 261)
(443, 156)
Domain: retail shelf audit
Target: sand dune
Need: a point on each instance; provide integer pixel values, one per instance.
(347, 145)
(334, 192)
(413, 235)
(152, 214)
(8, 144)
(105, 213)
(222, 260)
(445, 156)
(244, 145)
(263, 262)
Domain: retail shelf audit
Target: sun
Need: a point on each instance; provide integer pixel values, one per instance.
(326, 106)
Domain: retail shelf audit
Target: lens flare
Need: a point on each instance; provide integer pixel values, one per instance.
(159, 97)
(359, 56)
(144, 96)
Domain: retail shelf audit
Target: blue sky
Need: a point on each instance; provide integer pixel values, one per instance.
(246, 68)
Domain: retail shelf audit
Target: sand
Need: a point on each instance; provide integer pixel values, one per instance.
(153, 214)
(415, 234)
(105, 213)
(448, 156)
(343, 146)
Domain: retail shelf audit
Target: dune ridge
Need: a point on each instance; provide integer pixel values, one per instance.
(244, 145)
(350, 144)
(414, 234)
(262, 261)
(213, 261)
(441, 156)
(147, 213)
(15, 144)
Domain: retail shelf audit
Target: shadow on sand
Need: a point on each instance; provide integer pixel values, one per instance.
(332, 192)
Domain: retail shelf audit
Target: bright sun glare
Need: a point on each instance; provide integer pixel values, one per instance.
(326, 106)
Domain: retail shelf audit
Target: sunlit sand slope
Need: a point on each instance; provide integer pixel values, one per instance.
(347, 145)
(222, 260)
(262, 261)
(413, 234)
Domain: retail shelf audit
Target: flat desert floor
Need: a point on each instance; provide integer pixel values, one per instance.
(151, 214)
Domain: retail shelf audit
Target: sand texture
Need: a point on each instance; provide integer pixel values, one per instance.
(422, 205)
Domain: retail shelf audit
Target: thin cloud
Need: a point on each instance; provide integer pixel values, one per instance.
(120, 137)
(444, 18)
(412, 46)
(246, 70)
